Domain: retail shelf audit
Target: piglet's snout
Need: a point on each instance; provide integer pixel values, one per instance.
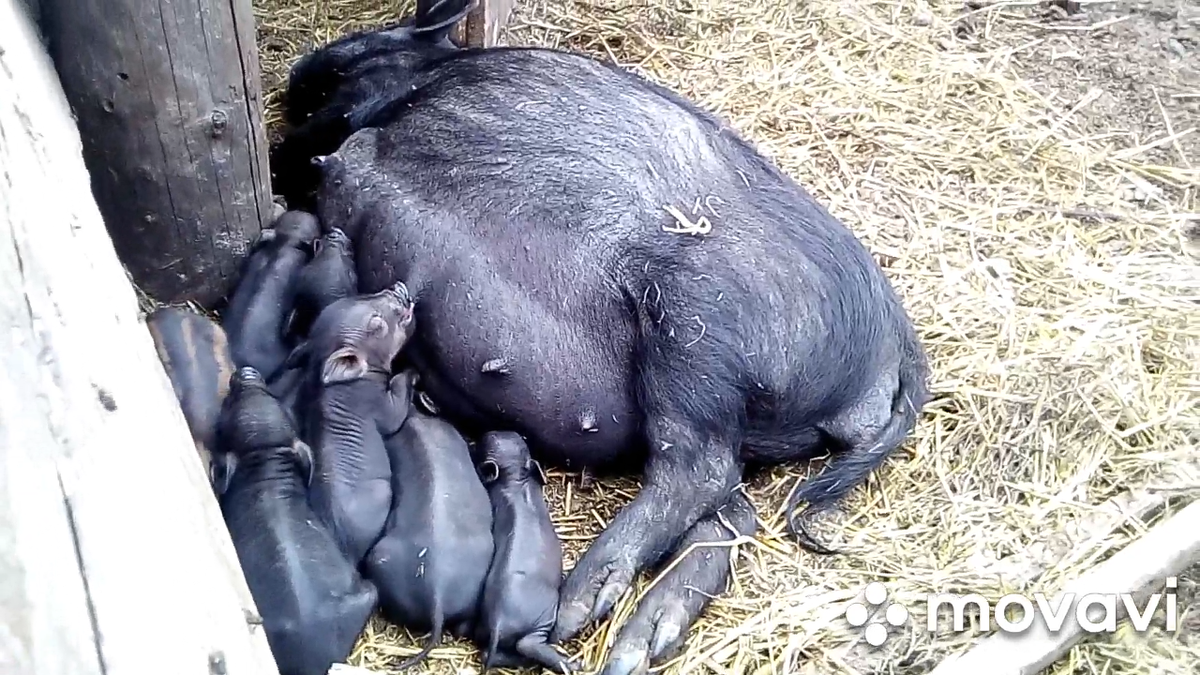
(400, 291)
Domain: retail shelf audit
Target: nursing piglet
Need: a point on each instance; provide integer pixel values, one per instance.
(195, 353)
(437, 546)
(313, 602)
(349, 401)
(520, 596)
(254, 317)
(328, 277)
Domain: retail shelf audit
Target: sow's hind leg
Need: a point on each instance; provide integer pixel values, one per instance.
(693, 434)
(535, 648)
(657, 629)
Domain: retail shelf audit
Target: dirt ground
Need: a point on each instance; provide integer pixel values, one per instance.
(1144, 64)
(1128, 73)
(1026, 172)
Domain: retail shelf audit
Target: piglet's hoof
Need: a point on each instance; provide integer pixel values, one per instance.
(629, 663)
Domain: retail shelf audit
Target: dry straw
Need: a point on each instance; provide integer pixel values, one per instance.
(1060, 316)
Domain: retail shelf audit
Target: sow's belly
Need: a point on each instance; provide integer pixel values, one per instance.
(495, 363)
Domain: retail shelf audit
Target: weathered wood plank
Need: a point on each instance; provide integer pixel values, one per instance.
(1138, 569)
(484, 24)
(114, 557)
(168, 101)
(34, 9)
(45, 626)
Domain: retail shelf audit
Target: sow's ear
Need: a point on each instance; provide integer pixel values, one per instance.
(304, 457)
(345, 365)
(435, 18)
(220, 471)
(489, 471)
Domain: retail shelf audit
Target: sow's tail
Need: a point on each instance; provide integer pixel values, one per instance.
(851, 468)
(435, 634)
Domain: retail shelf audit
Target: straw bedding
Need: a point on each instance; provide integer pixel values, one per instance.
(1049, 259)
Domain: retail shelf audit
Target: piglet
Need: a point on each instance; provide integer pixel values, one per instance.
(349, 401)
(195, 353)
(520, 596)
(328, 277)
(313, 602)
(430, 563)
(254, 317)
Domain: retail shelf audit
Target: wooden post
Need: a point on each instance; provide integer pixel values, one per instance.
(483, 25)
(167, 98)
(114, 558)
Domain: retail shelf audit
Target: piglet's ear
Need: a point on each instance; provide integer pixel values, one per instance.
(220, 471)
(316, 246)
(304, 458)
(345, 365)
(489, 471)
(535, 469)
